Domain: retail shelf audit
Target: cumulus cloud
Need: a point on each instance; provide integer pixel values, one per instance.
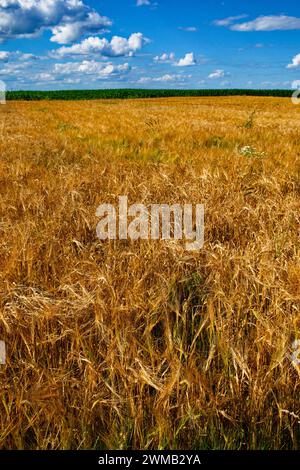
(12, 69)
(91, 67)
(217, 74)
(4, 55)
(187, 60)
(24, 74)
(44, 77)
(117, 47)
(165, 57)
(262, 23)
(26, 56)
(295, 62)
(66, 19)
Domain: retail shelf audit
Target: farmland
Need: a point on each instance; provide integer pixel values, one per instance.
(142, 344)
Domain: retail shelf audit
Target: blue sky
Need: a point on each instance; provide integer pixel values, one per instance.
(63, 44)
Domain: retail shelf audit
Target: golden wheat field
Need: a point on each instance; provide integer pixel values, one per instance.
(142, 344)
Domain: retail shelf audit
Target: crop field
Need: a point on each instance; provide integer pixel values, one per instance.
(141, 344)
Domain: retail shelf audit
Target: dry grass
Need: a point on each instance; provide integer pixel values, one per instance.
(141, 344)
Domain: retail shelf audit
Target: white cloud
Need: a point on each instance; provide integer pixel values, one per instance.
(136, 41)
(72, 81)
(188, 29)
(67, 19)
(90, 67)
(4, 55)
(228, 21)
(217, 74)
(164, 78)
(269, 84)
(117, 47)
(167, 78)
(70, 32)
(165, 57)
(44, 77)
(295, 62)
(12, 69)
(187, 60)
(148, 3)
(295, 85)
(39, 74)
(268, 23)
(26, 56)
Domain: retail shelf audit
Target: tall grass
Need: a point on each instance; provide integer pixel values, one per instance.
(141, 344)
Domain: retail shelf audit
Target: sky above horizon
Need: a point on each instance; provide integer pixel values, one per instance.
(67, 44)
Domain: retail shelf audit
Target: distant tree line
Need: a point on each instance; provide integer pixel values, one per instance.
(137, 93)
